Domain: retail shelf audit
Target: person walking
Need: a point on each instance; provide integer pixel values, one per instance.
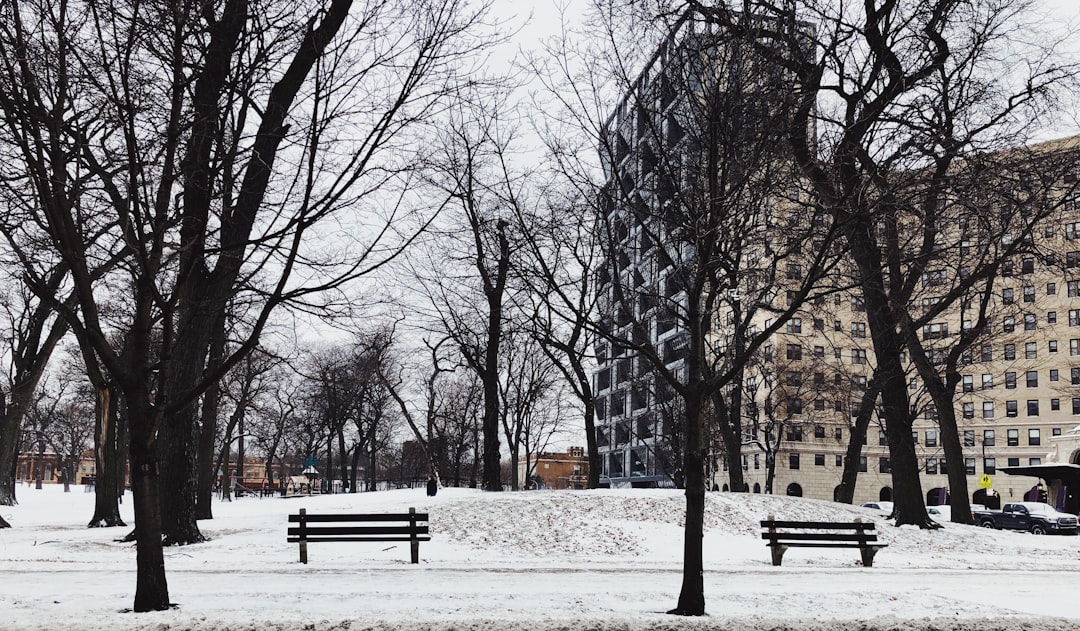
(432, 485)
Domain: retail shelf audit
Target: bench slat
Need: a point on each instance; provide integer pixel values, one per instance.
(359, 517)
(818, 525)
(804, 544)
(312, 531)
(296, 539)
(818, 536)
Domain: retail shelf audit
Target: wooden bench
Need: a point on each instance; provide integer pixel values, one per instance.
(411, 527)
(782, 535)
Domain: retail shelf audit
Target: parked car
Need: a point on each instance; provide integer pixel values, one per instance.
(885, 507)
(1036, 517)
(940, 513)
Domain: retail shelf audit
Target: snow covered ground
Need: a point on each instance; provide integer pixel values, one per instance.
(540, 560)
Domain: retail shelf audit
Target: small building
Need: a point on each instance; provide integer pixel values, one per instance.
(569, 470)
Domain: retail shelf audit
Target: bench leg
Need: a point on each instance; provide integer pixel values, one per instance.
(414, 545)
(303, 551)
(777, 553)
(868, 555)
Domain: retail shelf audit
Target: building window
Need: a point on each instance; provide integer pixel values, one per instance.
(1033, 437)
(858, 329)
(969, 466)
(1032, 378)
(819, 460)
(794, 325)
(1010, 352)
(988, 437)
(986, 353)
(989, 466)
(838, 434)
(1051, 289)
(968, 410)
(1007, 296)
(1012, 437)
(1008, 325)
(1011, 408)
(819, 352)
(1033, 462)
(794, 406)
(1030, 322)
(883, 465)
(819, 431)
(1027, 265)
(1053, 374)
(988, 409)
(1072, 288)
(819, 324)
(968, 382)
(931, 438)
(862, 464)
(1030, 350)
(794, 352)
(839, 461)
(1076, 406)
(1051, 317)
(931, 465)
(987, 381)
(793, 461)
(1010, 381)
(1074, 347)
(1033, 407)
(935, 331)
(1055, 405)
(1074, 374)
(794, 432)
(1051, 346)
(858, 356)
(1029, 293)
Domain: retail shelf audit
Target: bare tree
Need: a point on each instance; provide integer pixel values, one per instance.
(182, 115)
(698, 208)
(895, 98)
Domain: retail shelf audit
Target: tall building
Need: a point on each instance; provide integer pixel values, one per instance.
(1018, 398)
(1017, 403)
(701, 120)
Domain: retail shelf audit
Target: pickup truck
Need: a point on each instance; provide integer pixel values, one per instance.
(1035, 517)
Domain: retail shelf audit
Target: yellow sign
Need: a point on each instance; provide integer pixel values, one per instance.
(985, 482)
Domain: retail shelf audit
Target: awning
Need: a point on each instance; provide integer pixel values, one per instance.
(1068, 473)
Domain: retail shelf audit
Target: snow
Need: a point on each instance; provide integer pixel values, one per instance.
(607, 559)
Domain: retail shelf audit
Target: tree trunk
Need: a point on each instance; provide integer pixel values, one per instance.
(107, 451)
(881, 316)
(355, 468)
(211, 405)
(856, 442)
(151, 588)
(10, 420)
(41, 461)
(692, 593)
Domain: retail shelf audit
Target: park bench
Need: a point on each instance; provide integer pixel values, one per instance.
(375, 527)
(782, 535)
